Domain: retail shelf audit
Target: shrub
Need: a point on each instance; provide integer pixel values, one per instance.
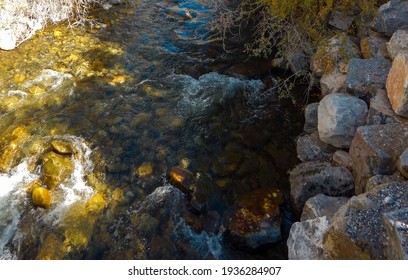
(281, 26)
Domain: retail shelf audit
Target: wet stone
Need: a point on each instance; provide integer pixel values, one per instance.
(256, 220)
(182, 179)
(41, 197)
(56, 169)
(62, 147)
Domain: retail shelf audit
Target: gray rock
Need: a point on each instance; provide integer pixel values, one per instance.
(374, 46)
(377, 180)
(380, 111)
(366, 76)
(397, 85)
(309, 147)
(391, 17)
(402, 164)
(311, 117)
(305, 239)
(398, 43)
(396, 226)
(375, 150)
(322, 205)
(334, 81)
(339, 115)
(340, 20)
(357, 230)
(343, 158)
(311, 178)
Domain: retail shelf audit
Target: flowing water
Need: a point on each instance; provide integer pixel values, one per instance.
(142, 91)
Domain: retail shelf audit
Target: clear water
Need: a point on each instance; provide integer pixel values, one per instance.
(141, 88)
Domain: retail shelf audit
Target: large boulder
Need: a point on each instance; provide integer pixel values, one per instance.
(398, 43)
(305, 241)
(311, 178)
(397, 85)
(309, 147)
(375, 150)
(396, 226)
(357, 230)
(339, 115)
(322, 205)
(366, 76)
(391, 17)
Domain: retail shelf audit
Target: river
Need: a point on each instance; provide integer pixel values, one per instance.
(144, 90)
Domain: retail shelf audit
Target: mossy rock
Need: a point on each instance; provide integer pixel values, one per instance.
(56, 169)
(41, 197)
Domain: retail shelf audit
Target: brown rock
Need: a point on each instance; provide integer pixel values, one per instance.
(397, 85)
(56, 169)
(182, 178)
(41, 197)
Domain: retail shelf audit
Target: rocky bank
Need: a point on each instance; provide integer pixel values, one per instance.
(351, 188)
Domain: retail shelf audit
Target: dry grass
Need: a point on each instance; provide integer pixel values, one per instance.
(24, 17)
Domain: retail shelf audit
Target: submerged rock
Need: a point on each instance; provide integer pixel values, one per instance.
(305, 241)
(312, 178)
(56, 169)
(357, 230)
(182, 178)
(256, 220)
(339, 115)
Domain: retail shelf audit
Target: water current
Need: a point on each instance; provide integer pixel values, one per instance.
(98, 116)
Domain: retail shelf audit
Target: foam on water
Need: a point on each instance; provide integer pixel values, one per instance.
(198, 95)
(12, 198)
(14, 201)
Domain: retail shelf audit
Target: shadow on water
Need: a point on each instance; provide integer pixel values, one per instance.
(156, 101)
